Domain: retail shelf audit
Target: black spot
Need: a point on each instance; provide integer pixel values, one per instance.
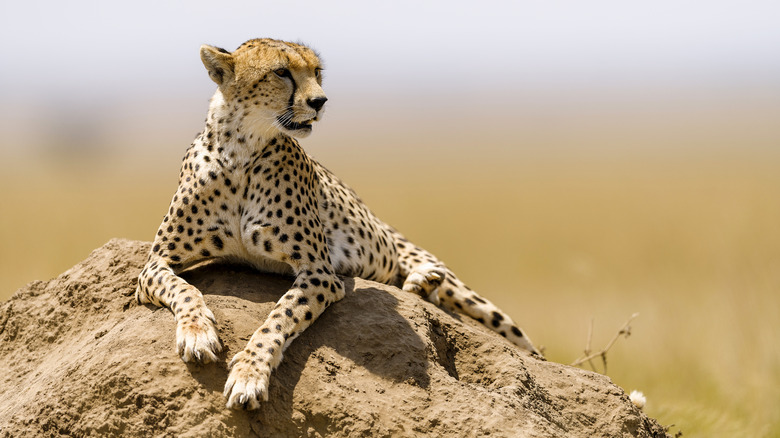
(217, 242)
(495, 323)
(498, 316)
(205, 253)
(288, 312)
(517, 332)
(268, 246)
(255, 235)
(320, 298)
(303, 300)
(308, 316)
(449, 292)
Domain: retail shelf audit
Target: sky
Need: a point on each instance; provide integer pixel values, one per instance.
(125, 47)
(84, 59)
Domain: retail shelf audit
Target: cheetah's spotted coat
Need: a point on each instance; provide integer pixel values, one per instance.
(248, 191)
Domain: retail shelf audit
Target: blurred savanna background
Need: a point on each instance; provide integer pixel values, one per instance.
(572, 161)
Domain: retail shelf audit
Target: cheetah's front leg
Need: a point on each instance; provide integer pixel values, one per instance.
(196, 334)
(314, 289)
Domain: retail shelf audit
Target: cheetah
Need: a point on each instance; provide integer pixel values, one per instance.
(248, 192)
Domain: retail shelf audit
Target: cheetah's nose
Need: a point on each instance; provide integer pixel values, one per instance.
(317, 102)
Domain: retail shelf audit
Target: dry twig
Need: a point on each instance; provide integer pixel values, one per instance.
(589, 356)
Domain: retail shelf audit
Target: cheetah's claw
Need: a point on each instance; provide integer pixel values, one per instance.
(197, 339)
(247, 383)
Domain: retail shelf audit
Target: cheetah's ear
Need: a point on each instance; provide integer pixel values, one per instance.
(219, 63)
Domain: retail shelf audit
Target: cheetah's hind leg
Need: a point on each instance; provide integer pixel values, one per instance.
(456, 296)
(425, 280)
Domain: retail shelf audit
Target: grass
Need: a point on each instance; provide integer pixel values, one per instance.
(691, 244)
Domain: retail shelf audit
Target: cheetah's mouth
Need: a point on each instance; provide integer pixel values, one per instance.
(288, 124)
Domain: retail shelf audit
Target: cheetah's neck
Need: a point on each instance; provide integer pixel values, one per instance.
(233, 135)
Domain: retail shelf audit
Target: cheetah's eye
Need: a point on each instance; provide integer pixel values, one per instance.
(282, 72)
(318, 72)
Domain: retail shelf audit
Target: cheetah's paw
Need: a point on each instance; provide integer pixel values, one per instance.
(247, 383)
(424, 280)
(197, 339)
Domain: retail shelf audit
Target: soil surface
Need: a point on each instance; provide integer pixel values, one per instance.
(78, 357)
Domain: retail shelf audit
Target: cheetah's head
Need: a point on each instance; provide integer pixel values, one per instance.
(274, 85)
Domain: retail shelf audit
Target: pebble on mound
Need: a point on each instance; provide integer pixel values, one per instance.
(78, 357)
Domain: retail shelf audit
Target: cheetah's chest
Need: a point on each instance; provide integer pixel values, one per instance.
(301, 211)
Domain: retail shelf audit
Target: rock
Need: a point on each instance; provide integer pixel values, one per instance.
(79, 357)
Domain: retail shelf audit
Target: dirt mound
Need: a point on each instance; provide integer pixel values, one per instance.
(78, 357)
